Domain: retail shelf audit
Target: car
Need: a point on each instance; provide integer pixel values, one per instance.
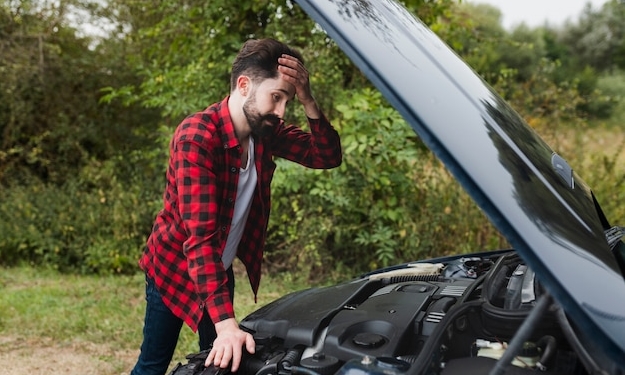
(553, 303)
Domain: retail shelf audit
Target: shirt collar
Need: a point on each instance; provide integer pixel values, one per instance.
(228, 136)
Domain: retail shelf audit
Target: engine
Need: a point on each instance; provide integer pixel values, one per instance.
(443, 318)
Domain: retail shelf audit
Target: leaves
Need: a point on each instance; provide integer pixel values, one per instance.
(388, 202)
(85, 120)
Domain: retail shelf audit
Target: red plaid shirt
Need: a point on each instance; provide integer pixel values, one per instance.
(183, 252)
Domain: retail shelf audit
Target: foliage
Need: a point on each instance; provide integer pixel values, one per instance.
(93, 224)
(544, 104)
(184, 51)
(607, 175)
(51, 121)
(521, 58)
(389, 202)
(481, 38)
(598, 39)
(613, 87)
(74, 175)
(85, 120)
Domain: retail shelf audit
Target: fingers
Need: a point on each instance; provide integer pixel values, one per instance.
(250, 345)
(236, 359)
(226, 357)
(229, 348)
(217, 357)
(292, 67)
(221, 355)
(294, 72)
(214, 356)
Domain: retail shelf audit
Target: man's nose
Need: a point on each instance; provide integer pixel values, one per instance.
(280, 109)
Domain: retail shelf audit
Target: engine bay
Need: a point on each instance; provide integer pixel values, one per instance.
(464, 316)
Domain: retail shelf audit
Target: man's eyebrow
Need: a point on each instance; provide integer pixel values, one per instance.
(287, 93)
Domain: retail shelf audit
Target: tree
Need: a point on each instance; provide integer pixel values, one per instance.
(480, 38)
(51, 120)
(163, 60)
(598, 39)
(183, 50)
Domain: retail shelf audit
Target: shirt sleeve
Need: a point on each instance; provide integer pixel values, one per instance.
(197, 183)
(320, 148)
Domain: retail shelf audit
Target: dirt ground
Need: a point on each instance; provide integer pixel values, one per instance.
(19, 356)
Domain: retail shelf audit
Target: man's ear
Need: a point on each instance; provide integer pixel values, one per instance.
(244, 85)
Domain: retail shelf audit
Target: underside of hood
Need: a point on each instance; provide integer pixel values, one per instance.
(529, 192)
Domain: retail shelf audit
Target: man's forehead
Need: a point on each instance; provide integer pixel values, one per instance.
(279, 84)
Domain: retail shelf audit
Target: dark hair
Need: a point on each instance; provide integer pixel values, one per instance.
(258, 59)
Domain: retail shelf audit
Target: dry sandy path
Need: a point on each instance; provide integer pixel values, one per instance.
(19, 356)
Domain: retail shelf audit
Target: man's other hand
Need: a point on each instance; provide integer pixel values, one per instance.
(228, 346)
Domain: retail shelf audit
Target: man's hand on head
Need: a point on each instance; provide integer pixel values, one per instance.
(294, 72)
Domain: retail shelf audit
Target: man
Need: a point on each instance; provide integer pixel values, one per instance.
(217, 201)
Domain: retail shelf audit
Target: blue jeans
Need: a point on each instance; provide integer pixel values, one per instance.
(162, 328)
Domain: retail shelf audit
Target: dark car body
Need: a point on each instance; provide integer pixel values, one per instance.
(554, 303)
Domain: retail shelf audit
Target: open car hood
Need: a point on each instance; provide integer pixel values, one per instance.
(530, 194)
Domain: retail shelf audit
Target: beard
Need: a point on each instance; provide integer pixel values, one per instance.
(261, 124)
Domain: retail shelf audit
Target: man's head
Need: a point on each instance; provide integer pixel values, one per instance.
(256, 80)
(258, 59)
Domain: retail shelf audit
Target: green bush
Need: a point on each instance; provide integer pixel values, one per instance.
(390, 201)
(92, 224)
(612, 86)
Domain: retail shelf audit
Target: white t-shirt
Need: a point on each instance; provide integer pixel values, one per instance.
(245, 193)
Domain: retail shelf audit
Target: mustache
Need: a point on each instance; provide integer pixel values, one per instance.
(271, 118)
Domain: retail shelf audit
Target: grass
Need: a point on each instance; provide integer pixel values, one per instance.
(38, 304)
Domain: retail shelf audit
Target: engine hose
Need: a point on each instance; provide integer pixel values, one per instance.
(586, 359)
(303, 371)
(268, 369)
(521, 335)
(291, 358)
(548, 345)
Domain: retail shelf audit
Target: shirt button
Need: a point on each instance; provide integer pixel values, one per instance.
(223, 229)
(230, 200)
(233, 170)
(225, 145)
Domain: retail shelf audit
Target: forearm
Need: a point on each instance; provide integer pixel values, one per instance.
(312, 109)
(320, 148)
